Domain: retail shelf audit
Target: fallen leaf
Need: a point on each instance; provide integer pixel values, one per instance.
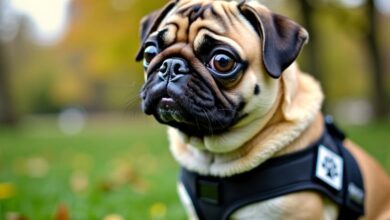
(62, 212)
(122, 172)
(158, 210)
(7, 190)
(14, 216)
(79, 181)
(106, 186)
(140, 185)
(113, 217)
(37, 167)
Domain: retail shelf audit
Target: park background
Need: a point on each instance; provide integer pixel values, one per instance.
(73, 142)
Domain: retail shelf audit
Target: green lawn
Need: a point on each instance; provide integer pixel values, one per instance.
(117, 165)
(120, 166)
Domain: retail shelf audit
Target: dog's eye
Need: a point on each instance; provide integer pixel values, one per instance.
(149, 53)
(222, 63)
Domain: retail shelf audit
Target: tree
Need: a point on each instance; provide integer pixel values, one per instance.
(7, 114)
(311, 8)
(308, 12)
(380, 101)
(101, 45)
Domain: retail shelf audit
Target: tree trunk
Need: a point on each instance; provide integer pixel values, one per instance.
(313, 63)
(379, 98)
(312, 46)
(7, 115)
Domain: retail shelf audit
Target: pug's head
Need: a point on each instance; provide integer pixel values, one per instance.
(210, 65)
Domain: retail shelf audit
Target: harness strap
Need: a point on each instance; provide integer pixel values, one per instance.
(326, 167)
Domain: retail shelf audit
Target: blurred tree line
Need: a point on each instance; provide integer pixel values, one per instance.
(367, 26)
(93, 65)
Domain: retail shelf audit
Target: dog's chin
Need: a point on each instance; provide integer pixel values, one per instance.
(168, 111)
(192, 123)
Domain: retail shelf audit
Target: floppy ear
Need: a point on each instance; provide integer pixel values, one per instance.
(282, 38)
(150, 23)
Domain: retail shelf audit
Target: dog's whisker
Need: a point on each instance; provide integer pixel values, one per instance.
(215, 118)
(197, 123)
(132, 101)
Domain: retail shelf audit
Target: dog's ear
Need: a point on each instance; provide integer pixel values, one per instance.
(150, 23)
(282, 38)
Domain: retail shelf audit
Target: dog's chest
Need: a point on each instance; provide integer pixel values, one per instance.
(302, 205)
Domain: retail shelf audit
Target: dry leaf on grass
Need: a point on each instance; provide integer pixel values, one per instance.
(158, 210)
(37, 167)
(7, 190)
(79, 182)
(15, 216)
(113, 217)
(62, 212)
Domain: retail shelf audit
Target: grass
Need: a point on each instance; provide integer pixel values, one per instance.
(121, 166)
(118, 166)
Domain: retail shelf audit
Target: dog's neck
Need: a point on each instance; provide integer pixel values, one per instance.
(294, 123)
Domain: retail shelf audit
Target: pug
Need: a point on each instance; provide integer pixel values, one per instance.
(222, 75)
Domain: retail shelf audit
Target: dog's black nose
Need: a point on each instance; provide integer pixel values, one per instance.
(172, 68)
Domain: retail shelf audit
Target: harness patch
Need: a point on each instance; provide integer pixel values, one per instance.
(356, 193)
(329, 167)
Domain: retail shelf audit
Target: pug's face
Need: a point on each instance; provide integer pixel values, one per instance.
(211, 64)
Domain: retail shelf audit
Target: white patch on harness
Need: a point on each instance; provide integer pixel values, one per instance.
(356, 193)
(329, 167)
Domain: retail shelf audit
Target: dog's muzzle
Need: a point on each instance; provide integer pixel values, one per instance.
(177, 94)
(172, 69)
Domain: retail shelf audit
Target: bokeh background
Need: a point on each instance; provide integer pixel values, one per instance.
(73, 142)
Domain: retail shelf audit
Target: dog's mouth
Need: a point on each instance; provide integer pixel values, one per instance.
(169, 111)
(190, 119)
(187, 117)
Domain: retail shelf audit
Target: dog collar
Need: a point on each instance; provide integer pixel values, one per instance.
(326, 167)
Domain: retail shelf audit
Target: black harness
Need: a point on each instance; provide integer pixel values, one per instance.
(326, 167)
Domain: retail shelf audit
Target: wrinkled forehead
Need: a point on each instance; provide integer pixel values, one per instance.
(202, 22)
